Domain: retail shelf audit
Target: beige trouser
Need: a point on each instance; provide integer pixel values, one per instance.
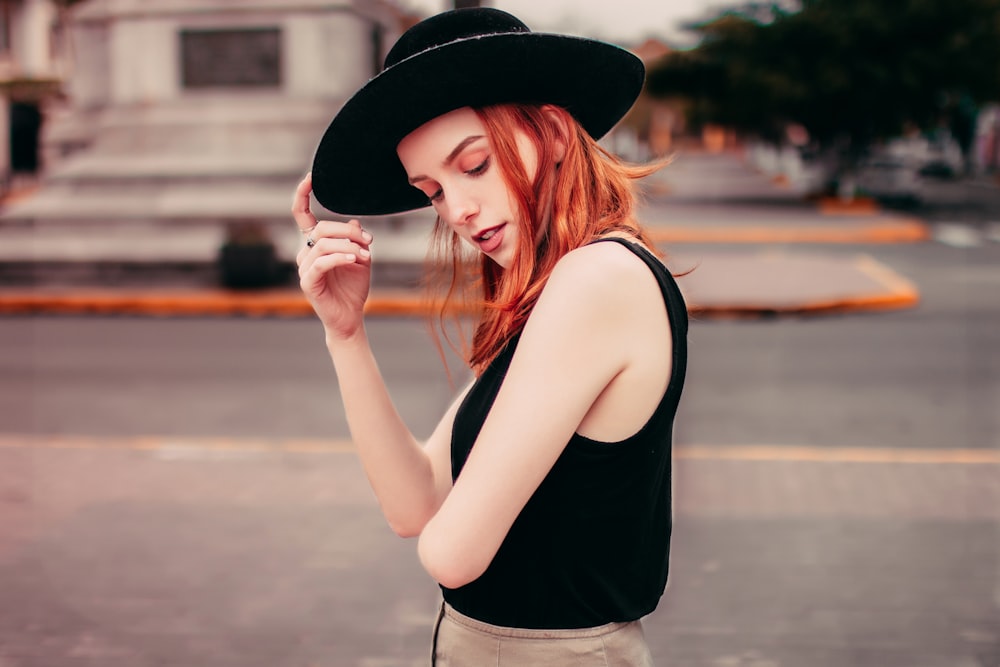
(460, 641)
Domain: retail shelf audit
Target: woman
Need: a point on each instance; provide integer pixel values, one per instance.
(542, 498)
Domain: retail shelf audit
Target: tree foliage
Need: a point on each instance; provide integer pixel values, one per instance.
(850, 71)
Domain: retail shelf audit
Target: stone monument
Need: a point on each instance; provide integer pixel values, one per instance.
(196, 118)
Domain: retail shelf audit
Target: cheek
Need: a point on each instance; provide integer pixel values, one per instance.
(503, 195)
(529, 158)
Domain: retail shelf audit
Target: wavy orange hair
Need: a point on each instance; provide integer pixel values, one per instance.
(563, 207)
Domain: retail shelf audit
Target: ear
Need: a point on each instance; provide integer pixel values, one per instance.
(558, 118)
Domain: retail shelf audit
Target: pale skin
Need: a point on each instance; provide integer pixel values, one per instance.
(604, 385)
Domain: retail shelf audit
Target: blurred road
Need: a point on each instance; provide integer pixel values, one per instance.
(926, 377)
(972, 200)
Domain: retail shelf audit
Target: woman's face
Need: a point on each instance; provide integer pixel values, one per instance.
(450, 160)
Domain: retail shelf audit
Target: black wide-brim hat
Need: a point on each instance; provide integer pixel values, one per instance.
(462, 58)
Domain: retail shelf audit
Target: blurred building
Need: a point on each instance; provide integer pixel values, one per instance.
(194, 111)
(665, 118)
(647, 129)
(31, 66)
(658, 126)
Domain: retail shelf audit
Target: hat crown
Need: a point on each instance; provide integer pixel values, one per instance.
(451, 26)
(461, 58)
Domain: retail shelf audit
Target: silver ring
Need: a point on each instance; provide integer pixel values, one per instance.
(310, 241)
(306, 231)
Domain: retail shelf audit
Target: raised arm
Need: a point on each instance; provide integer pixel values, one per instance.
(410, 480)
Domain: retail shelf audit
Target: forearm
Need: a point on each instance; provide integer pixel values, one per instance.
(398, 469)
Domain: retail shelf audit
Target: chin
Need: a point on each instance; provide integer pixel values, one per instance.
(503, 261)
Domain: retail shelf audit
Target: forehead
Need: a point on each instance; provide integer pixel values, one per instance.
(437, 137)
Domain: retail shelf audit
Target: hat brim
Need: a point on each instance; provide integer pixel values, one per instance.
(356, 170)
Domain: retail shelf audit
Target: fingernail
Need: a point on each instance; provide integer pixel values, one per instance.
(366, 236)
(365, 253)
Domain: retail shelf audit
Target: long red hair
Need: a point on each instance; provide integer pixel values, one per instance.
(567, 204)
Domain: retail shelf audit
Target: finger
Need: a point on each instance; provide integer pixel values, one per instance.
(302, 256)
(351, 230)
(300, 205)
(366, 236)
(315, 271)
(328, 246)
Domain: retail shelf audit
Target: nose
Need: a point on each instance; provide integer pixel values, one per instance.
(460, 208)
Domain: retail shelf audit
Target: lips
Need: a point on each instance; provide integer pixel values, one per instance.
(490, 239)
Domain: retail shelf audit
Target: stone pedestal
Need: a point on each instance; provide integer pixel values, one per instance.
(198, 112)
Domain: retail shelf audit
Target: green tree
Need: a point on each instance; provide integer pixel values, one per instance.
(852, 72)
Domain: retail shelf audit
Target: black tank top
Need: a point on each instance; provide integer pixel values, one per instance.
(592, 544)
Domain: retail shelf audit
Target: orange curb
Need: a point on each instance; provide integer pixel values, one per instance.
(900, 230)
(403, 303)
(265, 303)
(873, 302)
(856, 206)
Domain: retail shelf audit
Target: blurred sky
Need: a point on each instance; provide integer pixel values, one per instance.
(623, 21)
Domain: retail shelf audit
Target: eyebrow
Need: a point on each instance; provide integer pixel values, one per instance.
(452, 155)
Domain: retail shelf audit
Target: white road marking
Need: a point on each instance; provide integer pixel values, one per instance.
(992, 232)
(957, 235)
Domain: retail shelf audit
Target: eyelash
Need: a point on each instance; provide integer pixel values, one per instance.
(475, 172)
(480, 168)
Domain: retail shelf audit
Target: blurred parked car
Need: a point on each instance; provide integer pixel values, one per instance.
(938, 156)
(890, 179)
(895, 171)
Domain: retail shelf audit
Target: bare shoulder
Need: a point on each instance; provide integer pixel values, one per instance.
(600, 270)
(599, 296)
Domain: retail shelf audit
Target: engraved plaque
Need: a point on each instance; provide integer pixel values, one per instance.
(243, 57)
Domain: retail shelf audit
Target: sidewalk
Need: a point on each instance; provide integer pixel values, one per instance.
(124, 266)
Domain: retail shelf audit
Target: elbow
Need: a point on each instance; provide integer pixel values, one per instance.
(448, 563)
(409, 523)
(404, 530)
(452, 578)
(408, 526)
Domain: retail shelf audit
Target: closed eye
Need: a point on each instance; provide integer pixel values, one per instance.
(475, 172)
(479, 169)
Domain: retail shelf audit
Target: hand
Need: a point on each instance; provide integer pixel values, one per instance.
(334, 266)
